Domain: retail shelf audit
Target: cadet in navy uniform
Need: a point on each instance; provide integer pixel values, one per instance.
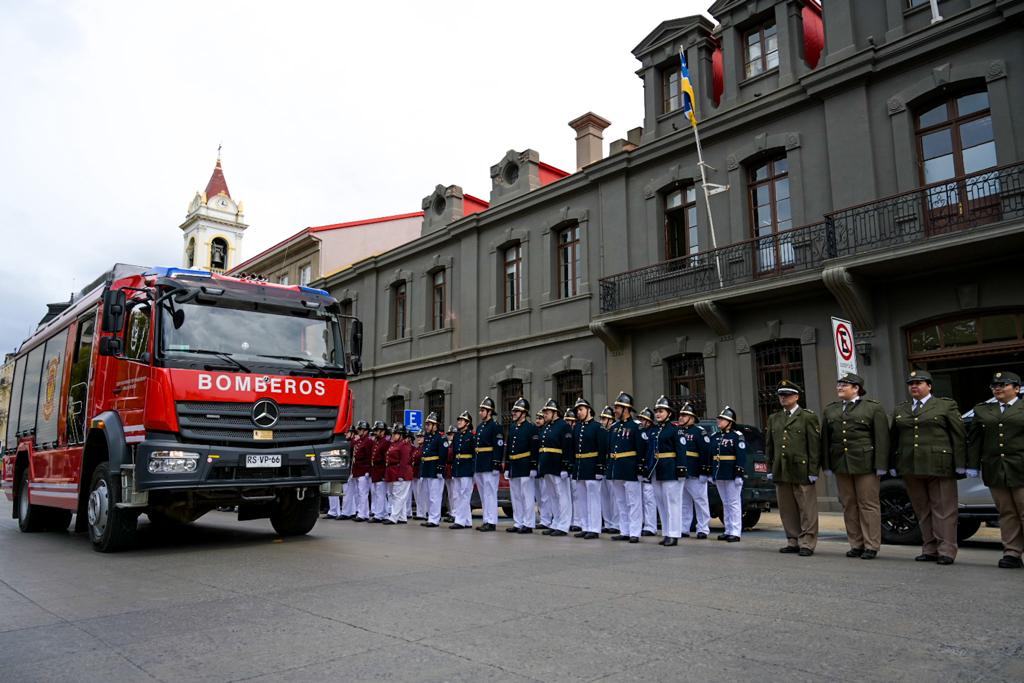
(666, 468)
(435, 453)
(521, 467)
(698, 471)
(575, 524)
(463, 446)
(555, 449)
(730, 461)
(609, 513)
(625, 448)
(650, 506)
(490, 450)
(590, 448)
(541, 493)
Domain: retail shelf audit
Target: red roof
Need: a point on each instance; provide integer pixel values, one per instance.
(217, 183)
(549, 174)
(323, 228)
(471, 205)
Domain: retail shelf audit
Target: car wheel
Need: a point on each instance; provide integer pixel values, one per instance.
(965, 528)
(507, 509)
(899, 523)
(751, 518)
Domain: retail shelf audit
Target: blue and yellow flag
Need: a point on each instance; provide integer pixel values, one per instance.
(687, 90)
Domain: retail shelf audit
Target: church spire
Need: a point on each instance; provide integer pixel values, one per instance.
(217, 183)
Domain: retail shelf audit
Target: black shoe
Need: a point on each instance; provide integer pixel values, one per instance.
(634, 539)
(458, 526)
(789, 549)
(669, 542)
(548, 532)
(701, 535)
(645, 532)
(388, 522)
(944, 560)
(684, 535)
(609, 530)
(361, 519)
(374, 520)
(732, 539)
(512, 530)
(723, 537)
(428, 524)
(575, 528)
(556, 532)
(1010, 562)
(805, 552)
(448, 519)
(855, 552)
(579, 534)
(590, 535)
(486, 527)
(526, 530)
(663, 541)
(402, 521)
(620, 537)
(541, 526)
(346, 517)
(869, 554)
(329, 517)
(926, 558)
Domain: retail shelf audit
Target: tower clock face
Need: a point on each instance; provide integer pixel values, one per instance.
(223, 202)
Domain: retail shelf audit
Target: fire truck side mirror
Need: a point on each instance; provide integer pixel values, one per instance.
(113, 310)
(356, 347)
(111, 346)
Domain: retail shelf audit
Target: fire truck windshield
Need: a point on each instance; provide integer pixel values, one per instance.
(244, 337)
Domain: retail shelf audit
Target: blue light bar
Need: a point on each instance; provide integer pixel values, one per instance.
(311, 290)
(165, 271)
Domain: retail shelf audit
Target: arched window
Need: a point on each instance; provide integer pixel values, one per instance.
(396, 410)
(568, 388)
(775, 361)
(686, 380)
(219, 254)
(190, 253)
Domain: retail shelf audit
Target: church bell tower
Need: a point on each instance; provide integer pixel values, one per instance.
(214, 227)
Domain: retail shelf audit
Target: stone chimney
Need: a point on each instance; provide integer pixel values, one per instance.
(589, 138)
(445, 205)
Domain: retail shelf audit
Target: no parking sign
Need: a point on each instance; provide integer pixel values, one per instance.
(842, 339)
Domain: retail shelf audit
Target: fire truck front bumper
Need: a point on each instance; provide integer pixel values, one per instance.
(172, 465)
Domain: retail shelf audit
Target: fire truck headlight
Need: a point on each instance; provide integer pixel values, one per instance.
(173, 462)
(334, 459)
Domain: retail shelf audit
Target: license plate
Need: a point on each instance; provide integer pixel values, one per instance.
(760, 467)
(263, 460)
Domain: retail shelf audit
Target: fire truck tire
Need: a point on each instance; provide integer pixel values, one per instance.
(110, 528)
(293, 517)
(31, 518)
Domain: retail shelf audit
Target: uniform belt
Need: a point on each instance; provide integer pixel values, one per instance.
(627, 454)
(725, 457)
(430, 458)
(519, 456)
(580, 456)
(548, 449)
(484, 449)
(662, 456)
(692, 454)
(464, 456)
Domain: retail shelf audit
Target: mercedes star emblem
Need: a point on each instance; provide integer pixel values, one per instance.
(265, 413)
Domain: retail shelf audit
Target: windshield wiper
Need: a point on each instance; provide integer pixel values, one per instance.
(220, 354)
(309, 364)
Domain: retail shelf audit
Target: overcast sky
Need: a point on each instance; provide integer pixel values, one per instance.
(328, 111)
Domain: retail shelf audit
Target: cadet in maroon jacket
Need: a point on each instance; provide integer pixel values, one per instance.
(398, 474)
(362, 452)
(379, 510)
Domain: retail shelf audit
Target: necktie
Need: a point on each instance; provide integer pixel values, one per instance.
(846, 404)
(917, 406)
(1003, 407)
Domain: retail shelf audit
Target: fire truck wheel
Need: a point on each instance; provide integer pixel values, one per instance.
(30, 517)
(110, 528)
(293, 517)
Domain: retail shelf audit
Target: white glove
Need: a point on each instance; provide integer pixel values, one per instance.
(828, 472)
(880, 473)
(563, 474)
(892, 472)
(960, 470)
(440, 475)
(739, 481)
(703, 478)
(533, 474)
(770, 476)
(599, 477)
(973, 474)
(813, 478)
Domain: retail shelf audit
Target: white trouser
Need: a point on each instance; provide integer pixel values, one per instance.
(544, 496)
(628, 501)
(695, 498)
(398, 494)
(577, 519)
(608, 510)
(348, 497)
(650, 508)
(408, 499)
(588, 503)
(333, 506)
(461, 509)
(487, 485)
(363, 497)
(560, 501)
(668, 496)
(434, 489)
(422, 497)
(379, 509)
(453, 495)
(521, 490)
(731, 494)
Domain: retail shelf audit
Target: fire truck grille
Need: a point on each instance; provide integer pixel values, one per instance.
(231, 424)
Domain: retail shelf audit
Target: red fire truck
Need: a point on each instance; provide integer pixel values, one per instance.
(173, 392)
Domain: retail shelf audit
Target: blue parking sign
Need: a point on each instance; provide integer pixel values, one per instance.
(414, 420)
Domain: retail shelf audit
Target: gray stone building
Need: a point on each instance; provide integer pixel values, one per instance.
(872, 155)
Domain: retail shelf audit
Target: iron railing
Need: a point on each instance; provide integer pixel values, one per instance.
(955, 205)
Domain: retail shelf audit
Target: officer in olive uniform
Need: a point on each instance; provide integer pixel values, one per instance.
(626, 447)
(435, 452)
(698, 472)
(555, 451)
(855, 448)
(793, 447)
(649, 505)
(609, 513)
(521, 467)
(666, 468)
(996, 444)
(729, 467)
(463, 452)
(929, 449)
(590, 449)
(490, 451)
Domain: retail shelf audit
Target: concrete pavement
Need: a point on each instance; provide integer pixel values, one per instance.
(225, 600)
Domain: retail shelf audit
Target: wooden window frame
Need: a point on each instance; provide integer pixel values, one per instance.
(512, 301)
(438, 299)
(670, 101)
(399, 309)
(769, 374)
(762, 42)
(690, 247)
(682, 370)
(568, 261)
(567, 389)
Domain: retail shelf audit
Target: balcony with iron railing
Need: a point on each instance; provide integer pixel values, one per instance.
(970, 204)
